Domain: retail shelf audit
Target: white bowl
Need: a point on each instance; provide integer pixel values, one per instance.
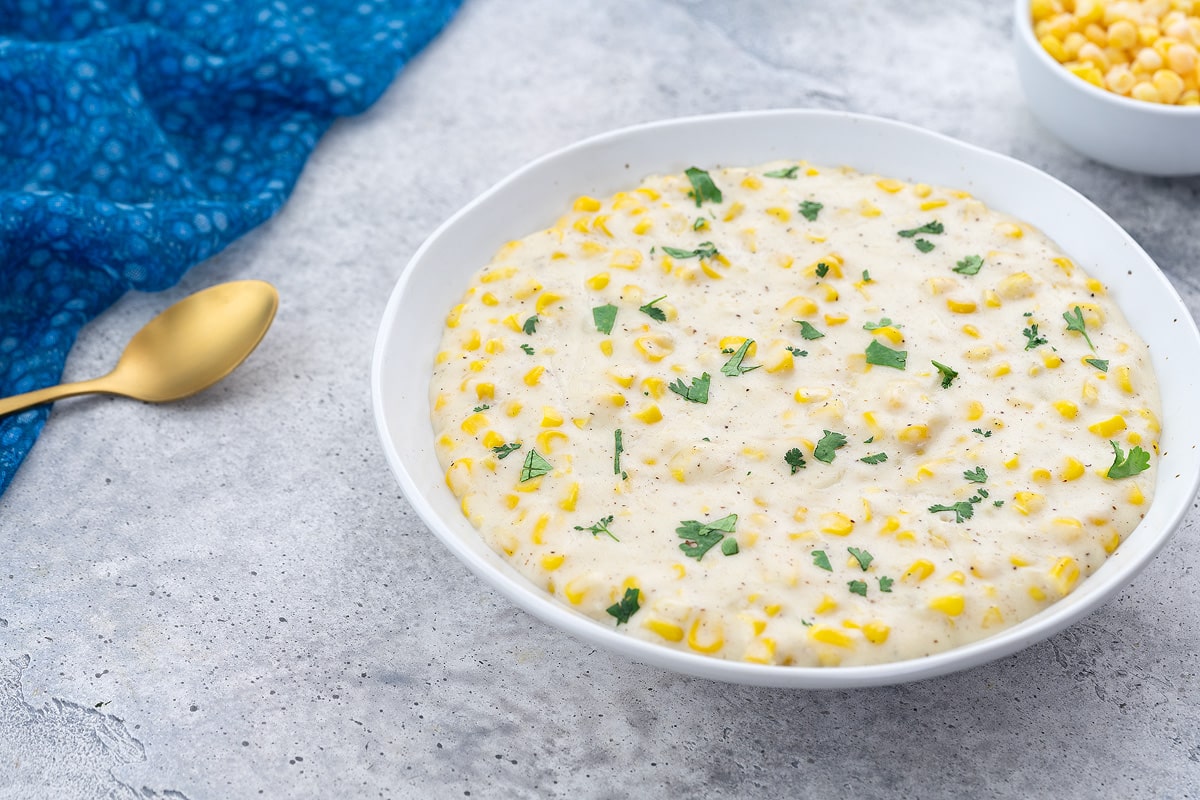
(533, 197)
(1133, 135)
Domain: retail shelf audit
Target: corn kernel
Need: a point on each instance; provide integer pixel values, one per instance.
(667, 630)
(1028, 502)
(837, 523)
(553, 561)
(694, 640)
(918, 571)
(585, 203)
(1108, 427)
(1073, 469)
(1066, 408)
(828, 635)
(649, 414)
(951, 604)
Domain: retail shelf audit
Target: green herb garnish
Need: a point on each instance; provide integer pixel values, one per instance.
(962, 510)
(807, 331)
(700, 537)
(627, 607)
(600, 527)
(703, 250)
(809, 210)
(1033, 340)
(822, 269)
(618, 448)
(483, 407)
(821, 560)
(530, 326)
(786, 172)
(948, 374)
(982, 432)
(796, 351)
(729, 546)
(858, 587)
(867, 277)
(885, 322)
(885, 583)
(878, 458)
(1127, 464)
(733, 367)
(653, 311)
(697, 392)
(795, 459)
(828, 443)
(885, 356)
(1098, 363)
(969, 265)
(1075, 322)
(503, 451)
(977, 475)
(528, 349)
(863, 558)
(604, 316)
(928, 227)
(924, 245)
(703, 188)
(534, 467)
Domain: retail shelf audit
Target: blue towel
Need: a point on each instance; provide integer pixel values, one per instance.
(139, 137)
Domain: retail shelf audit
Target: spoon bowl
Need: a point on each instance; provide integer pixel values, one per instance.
(185, 349)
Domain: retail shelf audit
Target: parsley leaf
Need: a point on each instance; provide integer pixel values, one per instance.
(924, 245)
(928, 227)
(653, 311)
(858, 587)
(878, 458)
(534, 467)
(886, 322)
(604, 316)
(885, 356)
(885, 583)
(969, 265)
(948, 373)
(863, 558)
(729, 546)
(1031, 333)
(982, 432)
(809, 210)
(807, 331)
(821, 560)
(483, 407)
(796, 351)
(627, 607)
(822, 269)
(1127, 464)
(1075, 322)
(703, 188)
(962, 510)
(528, 349)
(786, 172)
(828, 443)
(700, 224)
(530, 326)
(697, 392)
(703, 250)
(618, 448)
(1098, 363)
(733, 367)
(977, 475)
(700, 537)
(795, 459)
(866, 278)
(504, 450)
(599, 527)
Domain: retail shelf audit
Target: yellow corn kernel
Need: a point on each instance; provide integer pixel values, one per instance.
(913, 434)
(1028, 502)
(576, 590)
(837, 523)
(1073, 469)
(474, 423)
(1112, 542)
(1088, 72)
(801, 306)
(734, 211)
(1010, 229)
(1040, 475)
(643, 226)
(1122, 374)
(951, 604)
(982, 353)
(751, 182)
(957, 577)
(457, 476)
(626, 259)
(485, 391)
(869, 209)
(649, 415)
(570, 498)
(534, 375)
(667, 630)
(1013, 462)
(491, 439)
(918, 571)
(1016, 286)
(527, 291)
(779, 361)
(889, 332)
(781, 214)
(974, 410)
(606, 347)
(930, 205)
(836, 319)
(1001, 370)
(1135, 496)
(889, 185)
(826, 605)
(1066, 408)
(1064, 574)
(1108, 427)
(654, 347)
(624, 381)
(961, 306)
(585, 203)
(1089, 393)
(477, 365)
(1054, 47)
(828, 635)
(655, 387)
(551, 418)
(553, 561)
(512, 322)
(713, 645)
(831, 294)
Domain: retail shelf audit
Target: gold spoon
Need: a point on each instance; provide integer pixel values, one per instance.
(187, 348)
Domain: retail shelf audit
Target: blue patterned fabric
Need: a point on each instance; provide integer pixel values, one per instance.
(139, 137)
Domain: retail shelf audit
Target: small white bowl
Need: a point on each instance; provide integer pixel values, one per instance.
(533, 197)
(1133, 135)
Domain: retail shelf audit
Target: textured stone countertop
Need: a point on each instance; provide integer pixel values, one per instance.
(227, 597)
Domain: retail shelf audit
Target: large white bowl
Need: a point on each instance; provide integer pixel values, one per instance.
(533, 197)
(1133, 135)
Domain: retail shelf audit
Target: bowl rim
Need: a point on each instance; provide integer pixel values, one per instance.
(1023, 31)
(529, 598)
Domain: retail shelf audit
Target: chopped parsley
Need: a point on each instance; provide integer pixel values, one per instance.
(969, 265)
(822, 269)
(797, 351)
(863, 558)
(810, 209)
(866, 278)
(653, 311)
(977, 475)
(530, 326)
(503, 451)
(858, 587)
(982, 432)
(703, 188)
(928, 227)
(733, 367)
(1075, 322)
(697, 392)
(807, 331)
(821, 560)
(700, 224)
(483, 407)
(1033, 340)
(700, 537)
(627, 607)
(729, 546)
(534, 467)
(885, 322)
(878, 458)
(599, 528)
(786, 172)
(1127, 464)
(604, 316)
(924, 245)
(828, 443)
(703, 250)
(1098, 363)
(885, 583)
(962, 510)
(948, 373)
(528, 349)
(618, 448)
(795, 459)
(885, 356)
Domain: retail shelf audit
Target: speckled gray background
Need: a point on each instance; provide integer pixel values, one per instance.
(227, 597)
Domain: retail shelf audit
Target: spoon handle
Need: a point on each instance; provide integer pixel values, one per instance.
(20, 402)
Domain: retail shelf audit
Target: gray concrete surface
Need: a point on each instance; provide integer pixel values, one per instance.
(228, 598)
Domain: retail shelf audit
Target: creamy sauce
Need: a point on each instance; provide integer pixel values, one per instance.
(760, 459)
